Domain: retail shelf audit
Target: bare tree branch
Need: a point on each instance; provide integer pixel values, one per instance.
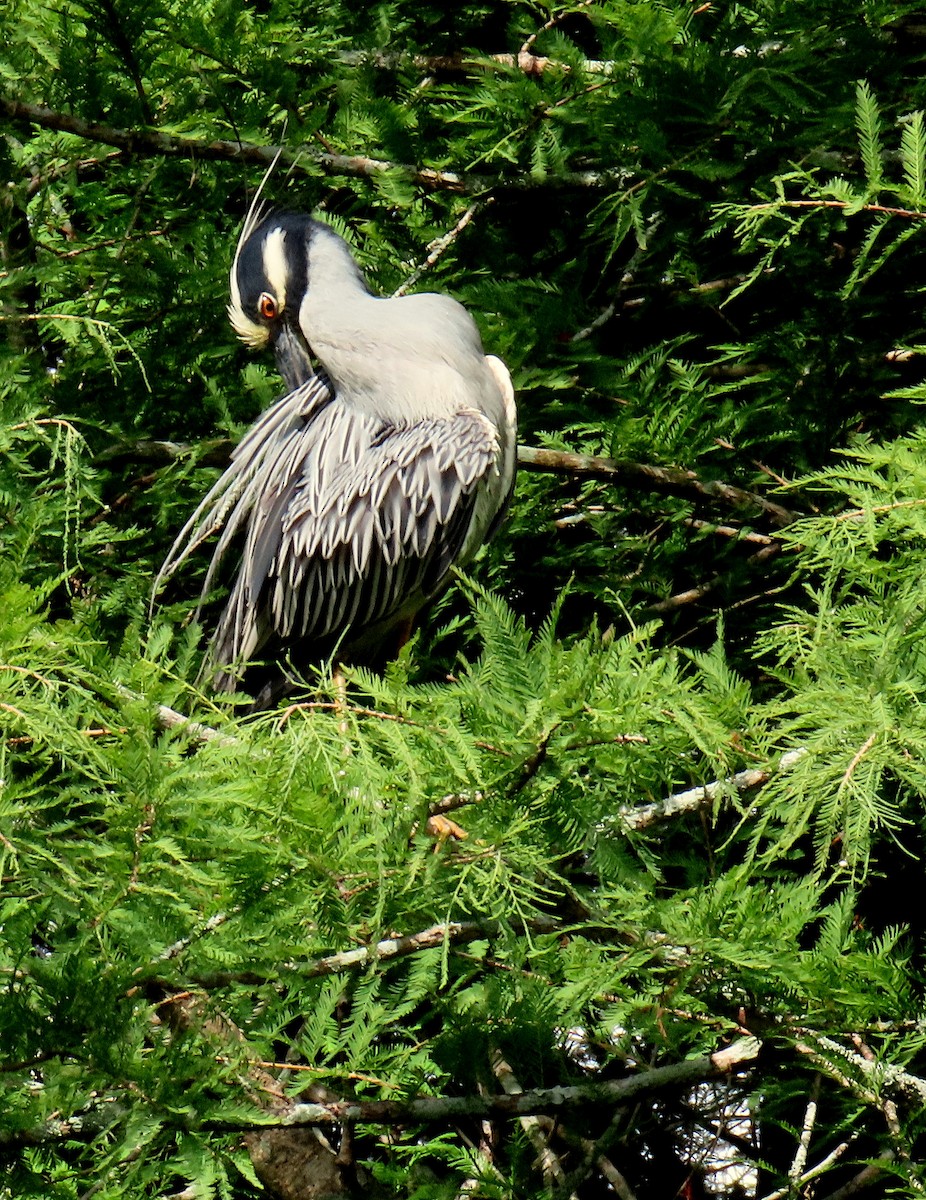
(864, 1179)
(530, 64)
(307, 159)
(427, 1109)
(644, 815)
(672, 481)
(284, 1114)
(694, 594)
(536, 1128)
(455, 932)
(440, 245)
(214, 453)
(667, 480)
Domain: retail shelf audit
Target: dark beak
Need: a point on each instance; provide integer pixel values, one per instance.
(294, 361)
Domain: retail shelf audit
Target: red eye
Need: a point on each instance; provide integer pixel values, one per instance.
(267, 306)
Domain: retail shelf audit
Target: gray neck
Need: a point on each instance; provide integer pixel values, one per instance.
(398, 360)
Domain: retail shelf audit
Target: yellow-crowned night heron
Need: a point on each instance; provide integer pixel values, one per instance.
(359, 489)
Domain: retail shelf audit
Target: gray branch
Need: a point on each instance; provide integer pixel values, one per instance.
(530, 64)
(703, 796)
(536, 1101)
(456, 933)
(419, 1109)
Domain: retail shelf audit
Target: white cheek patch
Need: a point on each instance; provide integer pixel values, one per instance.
(244, 328)
(256, 336)
(275, 265)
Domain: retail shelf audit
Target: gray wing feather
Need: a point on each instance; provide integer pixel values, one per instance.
(227, 504)
(356, 521)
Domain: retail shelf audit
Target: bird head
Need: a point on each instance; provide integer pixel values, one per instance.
(269, 279)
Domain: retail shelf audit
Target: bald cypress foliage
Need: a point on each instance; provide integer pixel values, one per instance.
(612, 883)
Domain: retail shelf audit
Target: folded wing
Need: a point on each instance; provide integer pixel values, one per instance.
(350, 524)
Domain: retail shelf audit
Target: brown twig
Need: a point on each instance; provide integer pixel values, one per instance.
(621, 472)
(693, 595)
(551, 24)
(39, 179)
(668, 480)
(214, 453)
(534, 762)
(530, 64)
(729, 531)
(864, 1179)
(775, 205)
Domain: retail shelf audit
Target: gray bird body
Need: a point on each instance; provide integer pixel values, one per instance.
(359, 490)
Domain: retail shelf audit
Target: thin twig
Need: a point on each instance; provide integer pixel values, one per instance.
(610, 1172)
(530, 64)
(775, 205)
(440, 245)
(891, 1118)
(177, 948)
(814, 1172)
(798, 1166)
(856, 759)
(728, 531)
(454, 933)
(864, 1179)
(673, 481)
(169, 718)
(536, 1128)
(551, 24)
(693, 595)
(885, 1076)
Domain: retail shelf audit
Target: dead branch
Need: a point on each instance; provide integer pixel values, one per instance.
(864, 1179)
(693, 595)
(282, 1114)
(644, 815)
(456, 933)
(884, 210)
(82, 1127)
(169, 718)
(527, 47)
(536, 1101)
(307, 160)
(530, 64)
(734, 532)
(537, 1129)
(673, 481)
(884, 1077)
(214, 453)
(440, 245)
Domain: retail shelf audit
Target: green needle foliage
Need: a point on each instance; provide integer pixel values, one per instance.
(648, 784)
